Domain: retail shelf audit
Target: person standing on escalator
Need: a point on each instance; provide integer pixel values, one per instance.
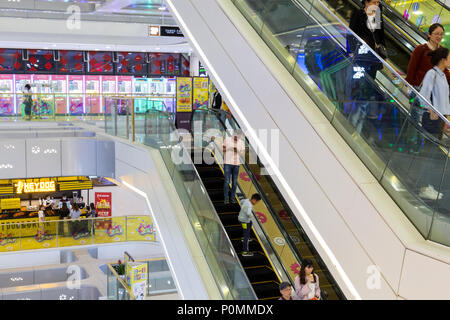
(368, 24)
(244, 218)
(420, 64)
(233, 149)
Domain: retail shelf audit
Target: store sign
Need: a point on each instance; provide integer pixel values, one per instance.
(30, 187)
(170, 32)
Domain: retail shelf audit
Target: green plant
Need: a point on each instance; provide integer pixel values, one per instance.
(120, 268)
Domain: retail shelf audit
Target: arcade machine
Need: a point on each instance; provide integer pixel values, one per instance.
(124, 89)
(59, 89)
(20, 81)
(43, 102)
(6, 95)
(140, 88)
(76, 101)
(92, 86)
(109, 89)
(165, 87)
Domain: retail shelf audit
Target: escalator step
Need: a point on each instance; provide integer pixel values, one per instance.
(229, 219)
(223, 208)
(258, 259)
(213, 183)
(209, 172)
(267, 290)
(260, 274)
(252, 245)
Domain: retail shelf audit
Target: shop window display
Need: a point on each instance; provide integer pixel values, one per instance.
(11, 60)
(100, 62)
(132, 63)
(40, 61)
(71, 62)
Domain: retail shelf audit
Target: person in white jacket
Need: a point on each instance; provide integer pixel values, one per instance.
(245, 219)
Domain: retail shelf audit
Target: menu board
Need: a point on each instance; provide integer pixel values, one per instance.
(12, 203)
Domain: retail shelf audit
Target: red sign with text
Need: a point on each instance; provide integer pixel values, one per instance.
(103, 204)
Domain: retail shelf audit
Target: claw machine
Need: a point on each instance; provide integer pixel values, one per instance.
(92, 86)
(108, 90)
(6, 95)
(43, 102)
(76, 99)
(59, 90)
(140, 88)
(20, 81)
(124, 89)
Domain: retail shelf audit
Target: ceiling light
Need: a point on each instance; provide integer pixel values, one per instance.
(162, 8)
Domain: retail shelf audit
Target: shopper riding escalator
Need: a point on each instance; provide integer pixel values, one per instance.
(258, 268)
(252, 179)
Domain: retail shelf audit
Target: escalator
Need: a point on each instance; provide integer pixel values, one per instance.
(258, 268)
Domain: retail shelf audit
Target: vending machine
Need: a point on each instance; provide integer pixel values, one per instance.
(76, 99)
(43, 102)
(124, 89)
(109, 89)
(59, 90)
(6, 94)
(20, 81)
(141, 88)
(92, 86)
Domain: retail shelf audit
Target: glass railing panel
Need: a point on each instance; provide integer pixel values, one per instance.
(365, 99)
(216, 246)
(108, 230)
(38, 235)
(10, 237)
(420, 160)
(75, 232)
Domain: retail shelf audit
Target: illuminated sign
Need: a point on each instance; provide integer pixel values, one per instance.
(30, 187)
(153, 31)
(171, 32)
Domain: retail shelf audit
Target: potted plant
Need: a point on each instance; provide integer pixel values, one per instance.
(120, 268)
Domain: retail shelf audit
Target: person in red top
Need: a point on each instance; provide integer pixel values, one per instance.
(420, 63)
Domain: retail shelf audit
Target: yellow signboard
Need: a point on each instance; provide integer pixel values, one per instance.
(184, 94)
(12, 203)
(31, 187)
(201, 93)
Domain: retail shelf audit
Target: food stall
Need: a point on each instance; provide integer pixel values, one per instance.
(20, 199)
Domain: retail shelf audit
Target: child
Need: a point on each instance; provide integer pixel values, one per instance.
(244, 218)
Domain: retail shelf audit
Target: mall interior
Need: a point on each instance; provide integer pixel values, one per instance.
(112, 139)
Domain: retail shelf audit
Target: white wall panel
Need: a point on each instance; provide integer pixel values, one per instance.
(79, 157)
(43, 158)
(12, 159)
(424, 278)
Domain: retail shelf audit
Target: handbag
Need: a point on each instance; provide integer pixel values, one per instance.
(380, 49)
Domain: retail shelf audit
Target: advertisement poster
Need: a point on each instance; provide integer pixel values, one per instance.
(103, 203)
(184, 94)
(201, 94)
(137, 279)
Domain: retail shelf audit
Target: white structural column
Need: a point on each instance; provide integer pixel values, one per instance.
(194, 64)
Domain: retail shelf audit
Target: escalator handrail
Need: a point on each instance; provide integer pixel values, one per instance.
(394, 72)
(216, 216)
(250, 174)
